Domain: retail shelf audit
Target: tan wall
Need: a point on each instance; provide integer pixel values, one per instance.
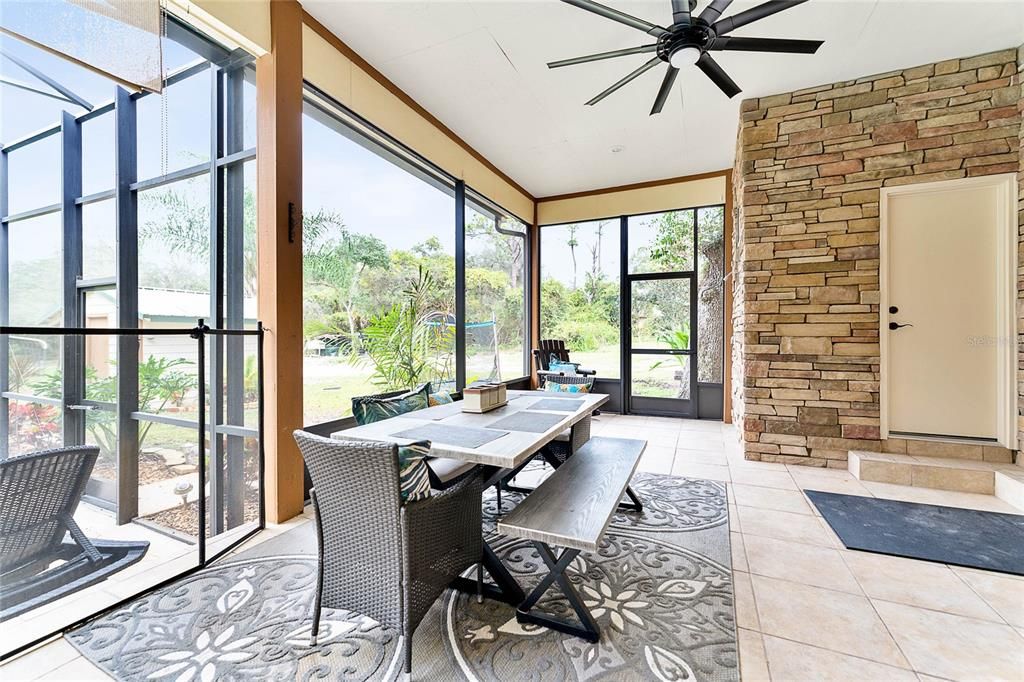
(702, 190)
(343, 78)
(245, 23)
(810, 165)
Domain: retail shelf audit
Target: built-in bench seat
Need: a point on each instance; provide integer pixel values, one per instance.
(571, 509)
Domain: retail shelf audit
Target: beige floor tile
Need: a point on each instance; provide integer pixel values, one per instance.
(954, 647)
(734, 520)
(702, 457)
(746, 610)
(694, 470)
(1004, 593)
(770, 498)
(692, 440)
(833, 620)
(739, 554)
(807, 564)
(795, 662)
(753, 664)
(830, 535)
(78, 670)
(783, 525)
(918, 583)
(828, 480)
(39, 661)
(763, 478)
(657, 458)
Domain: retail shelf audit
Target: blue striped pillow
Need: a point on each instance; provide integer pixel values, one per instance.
(413, 473)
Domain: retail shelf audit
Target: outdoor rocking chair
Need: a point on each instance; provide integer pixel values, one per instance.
(39, 494)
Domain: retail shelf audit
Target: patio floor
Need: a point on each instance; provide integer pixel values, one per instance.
(807, 609)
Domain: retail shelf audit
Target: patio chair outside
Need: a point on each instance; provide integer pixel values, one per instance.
(378, 557)
(556, 348)
(39, 494)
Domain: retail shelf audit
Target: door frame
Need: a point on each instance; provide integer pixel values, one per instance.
(1006, 264)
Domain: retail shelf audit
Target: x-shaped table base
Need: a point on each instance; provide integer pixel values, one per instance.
(526, 613)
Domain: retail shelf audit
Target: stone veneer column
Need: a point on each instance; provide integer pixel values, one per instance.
(809, 167)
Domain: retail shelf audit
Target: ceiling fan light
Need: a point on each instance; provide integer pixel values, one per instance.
(685, 56)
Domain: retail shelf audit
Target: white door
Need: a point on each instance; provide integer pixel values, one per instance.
(945, 277)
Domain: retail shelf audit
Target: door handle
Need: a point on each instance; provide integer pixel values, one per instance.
(896, 325)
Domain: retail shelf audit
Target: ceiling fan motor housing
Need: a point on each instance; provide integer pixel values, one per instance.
(698, 35)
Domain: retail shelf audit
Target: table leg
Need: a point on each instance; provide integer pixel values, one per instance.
(587, 629)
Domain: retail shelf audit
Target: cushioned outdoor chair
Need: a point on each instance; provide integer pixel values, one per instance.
(556, 348)
(444, 471)
(377, 556)
(39, 494)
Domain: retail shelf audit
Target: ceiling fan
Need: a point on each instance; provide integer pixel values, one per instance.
(689, 41)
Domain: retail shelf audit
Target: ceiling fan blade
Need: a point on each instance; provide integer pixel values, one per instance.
(603, 55)
(636, 73)
(719, 77)
(681, 12)
(714, 10)
(767, 45)
(615, 15)
(666, 88)
(723, 26)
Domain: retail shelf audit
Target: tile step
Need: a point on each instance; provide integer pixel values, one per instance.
(947, 449)
(1005, 481)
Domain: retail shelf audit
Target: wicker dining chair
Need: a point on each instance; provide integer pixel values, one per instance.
(376, 556)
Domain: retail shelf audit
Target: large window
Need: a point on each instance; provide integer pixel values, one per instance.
(382, 262)
(579, 288)
(496, 329)
(133, 211)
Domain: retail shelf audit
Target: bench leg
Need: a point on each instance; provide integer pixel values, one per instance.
(588, 629)
(634, 504)
(505, 588)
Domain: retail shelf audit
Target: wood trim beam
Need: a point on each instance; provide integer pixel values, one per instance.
(388, 85)
(636, 185)
(534, 243)
(727, 288)
(279, 245)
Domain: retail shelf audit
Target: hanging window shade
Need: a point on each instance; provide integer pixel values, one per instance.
(118, 38)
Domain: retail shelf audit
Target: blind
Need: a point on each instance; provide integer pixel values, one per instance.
(117, 38)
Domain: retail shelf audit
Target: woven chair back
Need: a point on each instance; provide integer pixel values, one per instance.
(36, 492)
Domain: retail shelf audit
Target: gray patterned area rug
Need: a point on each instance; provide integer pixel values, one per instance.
(660, 588)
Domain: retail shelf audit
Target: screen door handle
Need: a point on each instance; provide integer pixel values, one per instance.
(896, 325)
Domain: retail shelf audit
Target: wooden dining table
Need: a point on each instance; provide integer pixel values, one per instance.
(501, 441)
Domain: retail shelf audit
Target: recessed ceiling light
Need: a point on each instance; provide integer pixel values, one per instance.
(618, 148)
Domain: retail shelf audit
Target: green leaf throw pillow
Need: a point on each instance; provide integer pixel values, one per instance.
(370, 409)
(413, 474)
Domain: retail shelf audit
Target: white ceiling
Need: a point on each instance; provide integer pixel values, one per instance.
(479, 66)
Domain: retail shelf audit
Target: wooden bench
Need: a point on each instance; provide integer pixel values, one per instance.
(571, 509)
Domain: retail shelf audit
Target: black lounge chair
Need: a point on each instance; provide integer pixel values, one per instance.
(38, 497)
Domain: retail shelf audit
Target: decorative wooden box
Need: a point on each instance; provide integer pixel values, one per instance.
(481, 398)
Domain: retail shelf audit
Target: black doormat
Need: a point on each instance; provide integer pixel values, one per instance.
(962, 537)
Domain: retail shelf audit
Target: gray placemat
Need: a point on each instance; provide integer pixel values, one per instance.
(460, 436)
(534, 422)
(558, 404)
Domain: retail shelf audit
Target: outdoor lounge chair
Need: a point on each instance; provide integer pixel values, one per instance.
(556, 348)
(39, 493)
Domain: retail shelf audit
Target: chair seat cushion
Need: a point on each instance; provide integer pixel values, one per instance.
(370, 409)
(413, 474)
(564, 436)
(446, 470)
(555, 387)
